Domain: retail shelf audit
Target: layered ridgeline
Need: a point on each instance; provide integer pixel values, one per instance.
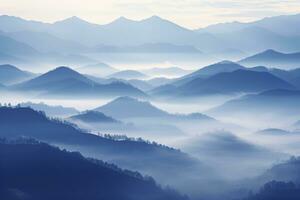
(65, 82)
(25, 164)
(127, 107)
(222, 78)
(51, 110)
(10, 74)
(93, 117)
(159, 161)
(271, 101)
(273, 58)
(68, 35)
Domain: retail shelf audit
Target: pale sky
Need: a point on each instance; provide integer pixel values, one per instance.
(188, 13)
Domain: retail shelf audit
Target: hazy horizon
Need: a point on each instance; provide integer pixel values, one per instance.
(190, 14)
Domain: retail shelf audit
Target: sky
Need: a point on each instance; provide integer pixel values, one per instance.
(188, 13)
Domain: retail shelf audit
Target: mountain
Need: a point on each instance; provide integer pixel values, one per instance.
(228, 82)
(99, 69)
(210, 70)
(53, 111)
(147, 48)
(153, 159)
(274, 131)
(10, 74)
(270, 32)
(68, 175)
(151, 31)
(127, 107)
(273, 59)
(12, 47)
(93, 117)
(237, 156)
(155, 34)
(64, 81)
(262, 104)
(128, 74)
(274, 190)
(166, 72)
(47, 43)
(265, 39)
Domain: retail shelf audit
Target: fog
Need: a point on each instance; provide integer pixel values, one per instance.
(233, 145)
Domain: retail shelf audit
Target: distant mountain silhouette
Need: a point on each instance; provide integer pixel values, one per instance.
(69, 175)
(276, 24)
(268, 33)
(273, 58)
(166, 72)
(99, 69)
(46, 43)
(127, 107)
(128, 74)
(153, 30)
(54, 111)
(224, 66)
(227, 82)
(64, 81)
(93, 117)
(12, 47)
(147, 48)
(274, 131)
(10, 74)
(263, 103)
(153, 159)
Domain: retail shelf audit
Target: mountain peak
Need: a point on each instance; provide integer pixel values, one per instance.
(227, 62)
(72, 20)
(122, 20)
(270, 51)
(154, 18)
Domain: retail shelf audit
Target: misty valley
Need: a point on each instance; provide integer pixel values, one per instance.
(150, 110)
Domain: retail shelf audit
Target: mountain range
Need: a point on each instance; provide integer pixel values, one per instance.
(273, 59)
(154, 34)
(153, 159)
(64, 81)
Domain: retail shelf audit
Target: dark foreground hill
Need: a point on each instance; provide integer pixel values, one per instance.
(33, 170)
(156, 160)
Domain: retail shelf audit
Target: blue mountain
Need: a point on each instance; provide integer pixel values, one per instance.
(53, 111)
(64, 81)
(227, 82)
(273, 58)
(128, 74)
(93, 117)
(10, 74)
(263, 103)
(127, 107)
